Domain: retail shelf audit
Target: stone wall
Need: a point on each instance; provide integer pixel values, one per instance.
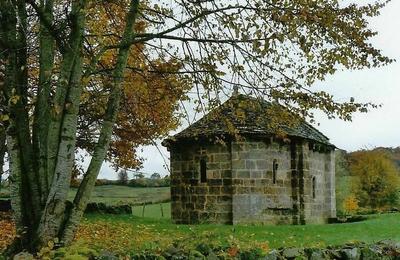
(192, 200)
(243, 187)
(319, 164)
(293, 198)
(256, 198)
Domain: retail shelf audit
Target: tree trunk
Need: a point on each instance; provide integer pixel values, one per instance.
(41, 158)
(42, 109)
(3, 149)
(88, 182)
(54, 212)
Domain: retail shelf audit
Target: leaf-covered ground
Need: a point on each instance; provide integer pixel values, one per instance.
(7, 230)
(131, 234)
(126, 234)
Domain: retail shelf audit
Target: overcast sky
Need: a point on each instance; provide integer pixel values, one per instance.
(381, 127)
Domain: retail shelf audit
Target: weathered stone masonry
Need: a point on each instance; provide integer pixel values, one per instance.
(241, 186)
(257, 178)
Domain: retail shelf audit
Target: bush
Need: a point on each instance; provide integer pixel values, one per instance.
(350, 205)
(149, 182)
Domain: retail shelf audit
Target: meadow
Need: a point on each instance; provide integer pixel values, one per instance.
(151, 228)
(133, 234)
(119, 194)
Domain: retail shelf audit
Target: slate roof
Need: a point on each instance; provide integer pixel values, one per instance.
(252, 119)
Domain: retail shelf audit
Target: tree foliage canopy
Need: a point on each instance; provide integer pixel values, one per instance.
(377, 182)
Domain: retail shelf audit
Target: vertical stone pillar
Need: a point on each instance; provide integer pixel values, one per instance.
(300, 171)
(294, 182)
(330, 199)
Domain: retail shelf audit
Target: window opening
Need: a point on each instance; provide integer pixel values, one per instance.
(274, 170)
(203, 170)
(314, 184)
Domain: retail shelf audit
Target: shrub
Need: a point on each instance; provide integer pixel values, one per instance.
(350, 204)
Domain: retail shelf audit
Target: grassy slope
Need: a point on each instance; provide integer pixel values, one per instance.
(159, 233)
(115, 194)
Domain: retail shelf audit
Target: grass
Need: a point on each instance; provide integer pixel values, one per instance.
(116, 194)
(158, 233)
(159, 210)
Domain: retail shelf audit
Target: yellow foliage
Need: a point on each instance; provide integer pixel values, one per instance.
(377, 179)
(350, 204)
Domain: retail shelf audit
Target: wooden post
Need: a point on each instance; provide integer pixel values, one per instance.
(162, 211)
(144, 206)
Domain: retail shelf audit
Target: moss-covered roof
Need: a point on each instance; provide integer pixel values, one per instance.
(246, 115)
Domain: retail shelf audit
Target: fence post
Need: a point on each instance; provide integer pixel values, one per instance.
(144, 206)
(162, 211)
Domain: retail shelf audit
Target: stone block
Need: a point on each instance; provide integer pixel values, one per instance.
(201, 190)
(250, 164)
(187, 175)
(213, 166)
(243, 174)
(214, 182)
(224, 199)
(201, 200)
(261, 164)
(238, 164)
(225, 165)
(199, 206)
(237, 182)
(243, 190)
(211, 200)
(222, 157)
(256, 174)
(215, 190)
(216, 175)
(226, 174)
(227, 190)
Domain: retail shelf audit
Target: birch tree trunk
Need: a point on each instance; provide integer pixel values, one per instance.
(3, 149)
(85, 189)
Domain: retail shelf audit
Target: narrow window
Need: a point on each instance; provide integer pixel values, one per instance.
(314, 186)
(274, 171)
(203, 170)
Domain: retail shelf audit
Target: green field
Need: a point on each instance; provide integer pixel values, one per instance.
(157, 233)
(158, 210)
(116, 194)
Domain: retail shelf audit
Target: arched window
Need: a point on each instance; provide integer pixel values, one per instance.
(203, 170)
(274, 170)
(314, 186)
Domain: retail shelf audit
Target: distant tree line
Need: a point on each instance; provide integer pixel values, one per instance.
(138, 180)
(368, 179)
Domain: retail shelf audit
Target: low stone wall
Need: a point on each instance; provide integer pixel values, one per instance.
(387, 250)
(5, 206)
(108, 209)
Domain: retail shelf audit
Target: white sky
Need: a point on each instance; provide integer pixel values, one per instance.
(381, 127)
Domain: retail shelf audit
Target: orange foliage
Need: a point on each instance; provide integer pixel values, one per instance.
(7, 232)
(233, 251)
(350, 204)
(151, 92)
